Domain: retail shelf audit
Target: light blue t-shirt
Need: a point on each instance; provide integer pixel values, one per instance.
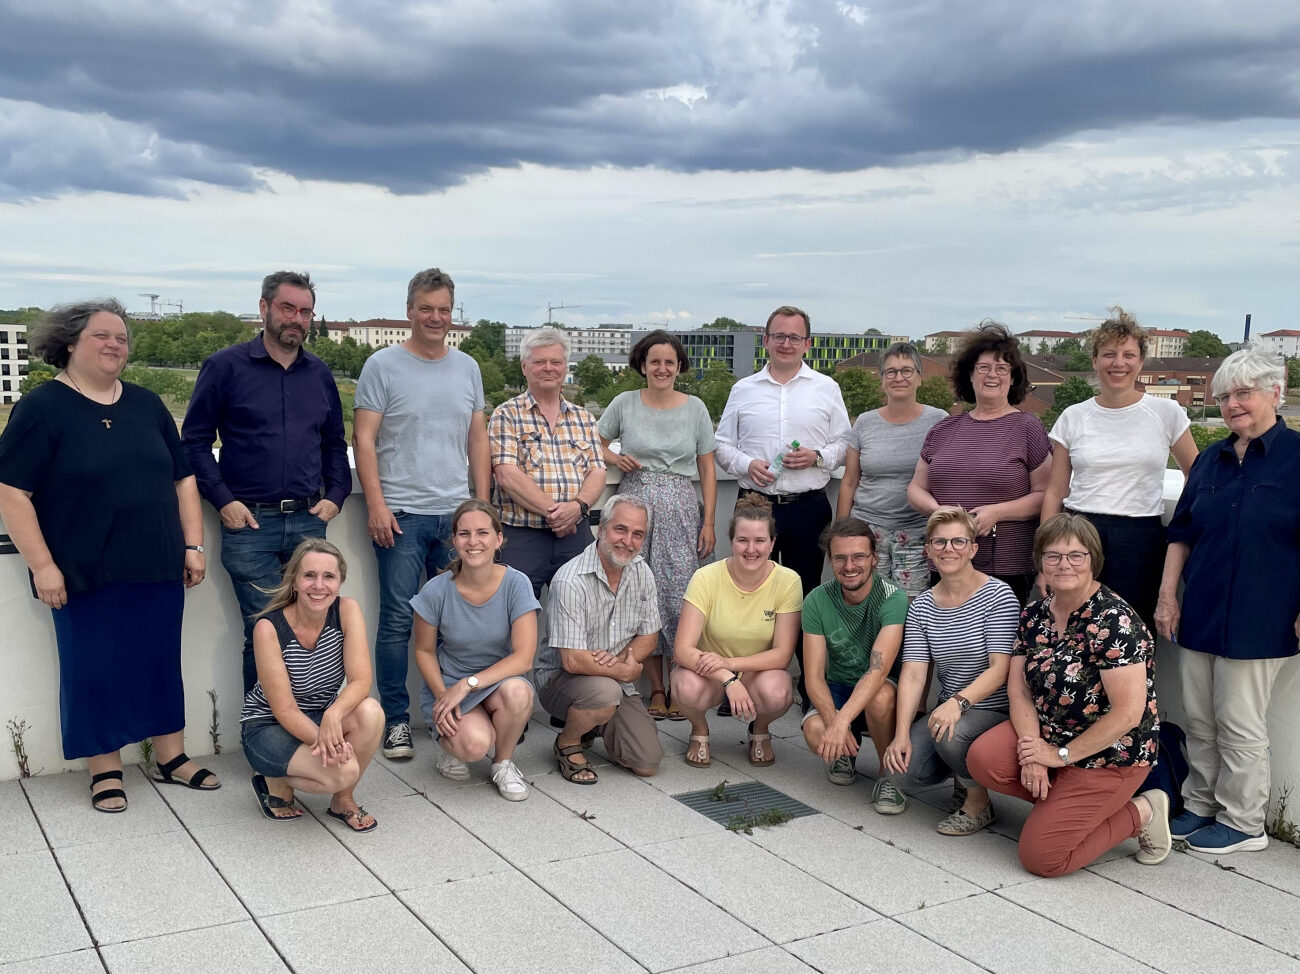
(662, 440)
(427, 406)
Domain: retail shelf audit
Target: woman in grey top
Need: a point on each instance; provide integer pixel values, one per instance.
(665, 436)
(884, 448)
(486, 616)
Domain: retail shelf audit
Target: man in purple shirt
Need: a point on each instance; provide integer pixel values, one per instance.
(283, 472)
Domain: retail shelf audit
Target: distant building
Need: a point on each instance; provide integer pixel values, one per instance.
(941, 342)
(1186, 380)
(1046, 341)
(1285, 342)
(605, 340)
(13, 361)
(378, 332)
(737, 350)
(1166, 344)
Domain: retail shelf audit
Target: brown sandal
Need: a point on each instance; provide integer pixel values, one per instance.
(760, 750)
(568, 769)
(700, 745)
(659, 711)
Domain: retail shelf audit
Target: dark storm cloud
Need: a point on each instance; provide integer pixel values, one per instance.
(141, 96)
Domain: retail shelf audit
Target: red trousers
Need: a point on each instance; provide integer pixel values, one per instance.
(1086, 811)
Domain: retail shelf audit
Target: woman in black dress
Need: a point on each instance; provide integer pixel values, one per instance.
(97, 495)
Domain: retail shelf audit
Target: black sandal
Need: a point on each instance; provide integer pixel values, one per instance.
(98, 796)
(570, 771)
(164, 775)
(271, 802)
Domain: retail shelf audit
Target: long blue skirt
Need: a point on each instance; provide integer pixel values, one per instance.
(119, 666)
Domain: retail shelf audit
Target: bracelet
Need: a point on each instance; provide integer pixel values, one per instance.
(727, 683)
(194, 547)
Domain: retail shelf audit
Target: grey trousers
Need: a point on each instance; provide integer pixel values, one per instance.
(932, 761)
(1226, 701)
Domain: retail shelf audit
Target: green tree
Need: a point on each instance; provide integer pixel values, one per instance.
(1073, 390)
(936, 391)
(1205, 435)
(514, 374)
(490, 335)
(715, 387)
(861, 390)
(37, 373)
(1205, 344)
(1293, 373)
(938, 346)
(625, 381)
(591, 375)
(726, 324)
(493, 380)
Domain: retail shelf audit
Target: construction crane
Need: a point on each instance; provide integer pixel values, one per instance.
(556, 307)
(178, 305)
(153, 301)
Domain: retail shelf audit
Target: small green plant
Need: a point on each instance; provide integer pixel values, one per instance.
(17, 730)
(214, 729)
(752, 820)
(146, 753)
(719, 794)
(1280, 825)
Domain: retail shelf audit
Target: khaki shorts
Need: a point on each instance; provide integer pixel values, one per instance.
(630, 736)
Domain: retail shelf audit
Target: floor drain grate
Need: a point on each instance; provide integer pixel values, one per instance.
(748, 799)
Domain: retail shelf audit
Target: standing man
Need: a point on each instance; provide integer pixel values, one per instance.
(604, 623)
(766, 413)
(418, 420)
(547, 462)
(283, 473)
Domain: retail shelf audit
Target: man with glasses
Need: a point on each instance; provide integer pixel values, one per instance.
(283, 471)
(767, 413)
(418, 431)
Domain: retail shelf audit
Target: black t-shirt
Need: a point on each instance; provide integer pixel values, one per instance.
(105, 495)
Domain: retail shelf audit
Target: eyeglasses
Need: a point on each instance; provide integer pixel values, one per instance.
(787, 339)
(292, 311)
(891, 374)
(956, 544)
(999, 370)
(1241, 395)
(1075, 558)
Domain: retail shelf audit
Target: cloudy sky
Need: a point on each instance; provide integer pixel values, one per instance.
(906, 165)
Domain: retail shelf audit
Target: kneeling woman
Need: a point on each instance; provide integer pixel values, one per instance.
(486, 615)
(1082, 733)
(739, 623)
(966, 626)
(303, 729)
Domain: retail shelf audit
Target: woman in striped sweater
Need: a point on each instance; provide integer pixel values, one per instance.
(303, 729)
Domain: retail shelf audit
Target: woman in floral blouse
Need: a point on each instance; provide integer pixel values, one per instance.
(1082, 733)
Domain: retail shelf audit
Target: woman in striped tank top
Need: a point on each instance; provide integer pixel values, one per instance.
(304, 728)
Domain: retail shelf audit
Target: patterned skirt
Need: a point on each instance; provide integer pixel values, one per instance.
(675, 518)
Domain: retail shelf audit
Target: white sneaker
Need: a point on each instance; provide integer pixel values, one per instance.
(450, 766)
(509, 781)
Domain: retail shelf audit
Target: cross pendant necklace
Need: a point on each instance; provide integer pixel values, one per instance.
(108, 423)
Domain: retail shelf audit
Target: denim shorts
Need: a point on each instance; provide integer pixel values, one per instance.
(840, 693)
(268, 747)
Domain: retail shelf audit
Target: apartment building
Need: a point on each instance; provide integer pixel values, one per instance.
(13, 361)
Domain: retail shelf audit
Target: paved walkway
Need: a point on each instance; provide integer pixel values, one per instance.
(612, 878)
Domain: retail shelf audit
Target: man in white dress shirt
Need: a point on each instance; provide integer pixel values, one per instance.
(766, 413)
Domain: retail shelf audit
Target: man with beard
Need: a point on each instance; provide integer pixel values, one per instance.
(283, 472)
(604, 621)
(852, 632)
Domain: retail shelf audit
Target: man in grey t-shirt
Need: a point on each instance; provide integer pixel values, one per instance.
(418, 426)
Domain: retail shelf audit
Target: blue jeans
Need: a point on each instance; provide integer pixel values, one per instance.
(255, 559)
(424, 546)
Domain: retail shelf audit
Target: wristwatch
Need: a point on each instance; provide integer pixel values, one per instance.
(471, 682)
(1064, 754)
(962, 703)
(194, 547)
(583, 507)
(821, 461)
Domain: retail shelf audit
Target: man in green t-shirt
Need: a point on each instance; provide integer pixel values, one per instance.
(852, 632)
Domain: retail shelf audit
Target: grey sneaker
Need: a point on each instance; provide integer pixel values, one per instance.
(397, 742)
(509, 781)
(840, 771)
(1155, 841)
(959, 823)
(450, 766)
(886, 799)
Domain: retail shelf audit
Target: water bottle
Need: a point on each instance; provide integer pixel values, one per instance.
(779, 463)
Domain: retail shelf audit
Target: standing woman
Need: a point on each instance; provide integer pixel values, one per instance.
(1109, 455)
(994, 461)
(99, 499)
(740, 619)
(302, 729)
(475, 636)
(665, 437)
(1235, 542)
(883, 450)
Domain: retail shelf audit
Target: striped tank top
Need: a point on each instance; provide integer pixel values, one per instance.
(315, 675)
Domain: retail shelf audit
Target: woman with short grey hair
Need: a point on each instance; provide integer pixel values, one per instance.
(883, 449)
(1234, 541)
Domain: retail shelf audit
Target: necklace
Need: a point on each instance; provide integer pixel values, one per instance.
(108, 423)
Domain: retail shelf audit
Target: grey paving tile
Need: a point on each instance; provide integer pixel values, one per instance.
(1143, 926)
(277, 867)
(649, 925)
(129, 888)
(544, 937)
(881, 876)
(780, 901)
(876, 948)
(1277, 866)
(20, 832)
(537, 830)
(800, 774)
(232, 802)
(769, 960)
(62, 803)
(232, 947)
(378, 935)
(1007, 939)
(628, 809)
(37, 915)
(416, 844)
(675, 776)
(80, 962)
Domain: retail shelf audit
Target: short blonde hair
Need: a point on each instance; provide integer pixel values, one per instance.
(950, 515)
(1061, 526)
(1114, 330)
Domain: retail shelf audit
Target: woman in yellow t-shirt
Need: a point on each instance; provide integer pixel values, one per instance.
(736, 635)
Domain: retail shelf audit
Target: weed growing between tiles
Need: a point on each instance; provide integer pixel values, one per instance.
(17, 730)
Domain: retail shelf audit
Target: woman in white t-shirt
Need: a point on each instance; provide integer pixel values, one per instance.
(1109, 455)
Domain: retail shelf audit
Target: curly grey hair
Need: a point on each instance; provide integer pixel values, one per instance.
(50, 338)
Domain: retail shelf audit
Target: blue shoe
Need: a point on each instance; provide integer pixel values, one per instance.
(1223, 838)
(1185, 823)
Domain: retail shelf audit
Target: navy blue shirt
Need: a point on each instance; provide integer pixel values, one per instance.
(1242, 522)
(281, 429)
